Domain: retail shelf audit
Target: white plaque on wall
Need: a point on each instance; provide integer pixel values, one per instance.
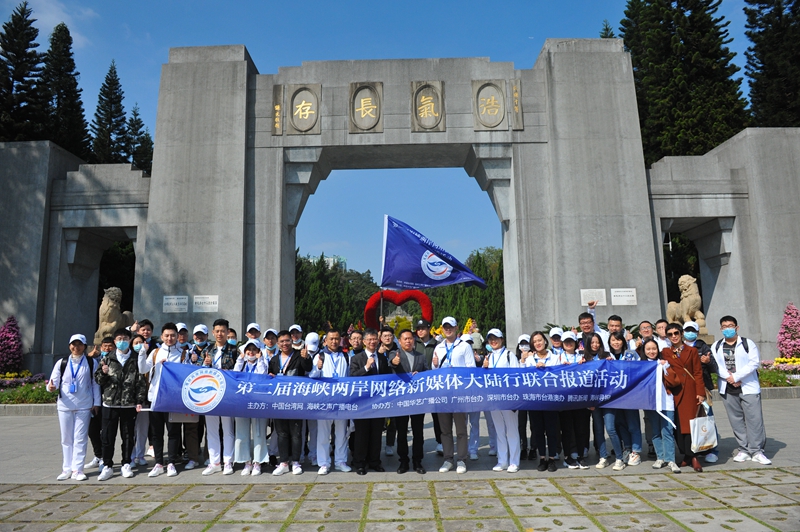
(623, 296)
(593, 294)
(175, 304)
(206, 303)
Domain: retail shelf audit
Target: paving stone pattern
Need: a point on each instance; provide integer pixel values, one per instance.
(748, 500)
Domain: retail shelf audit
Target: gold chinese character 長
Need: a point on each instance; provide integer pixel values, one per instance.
(490, 106)
(367, 108)
(303, 110)
(427, 108)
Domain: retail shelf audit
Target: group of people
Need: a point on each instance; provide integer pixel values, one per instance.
(111, 388)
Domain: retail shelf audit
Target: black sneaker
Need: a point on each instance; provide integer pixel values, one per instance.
(572, 463)
(532, 454)
(552, 465)
(542, 464)
(582, 463)
(651, 451)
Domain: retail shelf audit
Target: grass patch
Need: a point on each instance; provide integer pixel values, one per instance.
(34, 393)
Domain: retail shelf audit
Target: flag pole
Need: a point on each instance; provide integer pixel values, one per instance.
(381, 314)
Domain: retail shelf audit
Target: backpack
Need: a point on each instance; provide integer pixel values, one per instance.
(744, 344)
(64, 367)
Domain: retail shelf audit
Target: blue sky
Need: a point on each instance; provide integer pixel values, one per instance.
(444, 204)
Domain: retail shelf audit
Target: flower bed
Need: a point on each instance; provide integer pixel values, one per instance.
(14, 380)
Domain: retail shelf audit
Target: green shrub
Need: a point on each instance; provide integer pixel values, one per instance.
(28, 394)
(776, 379)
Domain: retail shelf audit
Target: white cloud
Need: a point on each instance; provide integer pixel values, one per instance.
(50, 13)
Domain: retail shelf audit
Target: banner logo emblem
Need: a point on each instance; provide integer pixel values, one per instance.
(203, 390)
(434, 267)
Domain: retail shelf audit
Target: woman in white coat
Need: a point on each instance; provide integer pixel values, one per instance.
(506, 422)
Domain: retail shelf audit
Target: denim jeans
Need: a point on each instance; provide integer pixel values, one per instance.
(610, 420)
(629, 429)
(663, 438)
(598, 432)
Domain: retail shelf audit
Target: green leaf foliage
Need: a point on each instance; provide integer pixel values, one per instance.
(607, 32)
(109, 127)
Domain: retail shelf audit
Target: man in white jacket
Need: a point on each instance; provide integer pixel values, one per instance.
(738, 360)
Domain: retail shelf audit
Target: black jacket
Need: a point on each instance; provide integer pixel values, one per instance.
(708, 368)
(296, 366)
(426, 350)
(419, 362)
(359, 360)
(122, 385)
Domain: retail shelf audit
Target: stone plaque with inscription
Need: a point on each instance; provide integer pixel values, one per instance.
(366, 107)
(516, 105)
(304, 109)
(489, 105)
(427, 106)
(277, 109)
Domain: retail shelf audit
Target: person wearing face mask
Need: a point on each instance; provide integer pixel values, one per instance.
(233, 337)
(124, 390)
(709, 365)
(78, 396)
(96, 423)
(297, 337)
(183, 336)
(139, 346)
(737, 360)
(250, 362)
(505, 421)
(193, 432)
(268, 352)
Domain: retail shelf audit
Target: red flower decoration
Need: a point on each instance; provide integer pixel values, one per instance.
(372, 310)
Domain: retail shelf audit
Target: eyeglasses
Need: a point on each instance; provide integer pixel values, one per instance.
(674, 333)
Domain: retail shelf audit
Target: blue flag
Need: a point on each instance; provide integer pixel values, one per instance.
(413, 261)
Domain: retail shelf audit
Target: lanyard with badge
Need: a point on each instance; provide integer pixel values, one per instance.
(498, 356)
(284, 363)
(73, 386)
(250, 367)
(220, 351)
(573, 355)
(449, 352)
(335, 358)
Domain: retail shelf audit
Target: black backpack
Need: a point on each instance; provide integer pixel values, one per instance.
(744, 344)
(64, 367)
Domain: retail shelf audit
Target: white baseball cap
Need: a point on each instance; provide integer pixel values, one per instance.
(691, 325)
(182, 326)
(81, 338)
(251, 341)
(466, 338)
(450, 320)
(200, 328)
(494, 332)
(556, 331)
(273, 331)
(255, 326)
(312, 342)
(569, 335)
(524, 338)
(295, 327)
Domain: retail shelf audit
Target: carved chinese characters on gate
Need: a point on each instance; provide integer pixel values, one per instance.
(303, 109)
(427, 106)
(366, 107)
(489, 105)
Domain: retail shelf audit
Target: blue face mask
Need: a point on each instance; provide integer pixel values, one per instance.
(729, 333)
(489, 349)
(232, 341)
(123, 345)
(200, 344)
(690, 335)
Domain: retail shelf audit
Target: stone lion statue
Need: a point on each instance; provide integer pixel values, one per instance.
(689, 307)
(111, 318)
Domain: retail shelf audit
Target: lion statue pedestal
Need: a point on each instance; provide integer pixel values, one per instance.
(111, 317)
(689, 307)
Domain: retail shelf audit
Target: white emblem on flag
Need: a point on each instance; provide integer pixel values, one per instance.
(434, 267)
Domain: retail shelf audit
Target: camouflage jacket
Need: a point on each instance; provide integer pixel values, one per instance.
(122, 385)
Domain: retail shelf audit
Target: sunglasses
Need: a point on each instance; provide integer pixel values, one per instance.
(674, 333)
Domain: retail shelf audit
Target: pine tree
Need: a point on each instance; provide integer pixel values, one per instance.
(138, 142)
(108, 126)
(773, 61)
(143, 156)
(607, 32)
(67, 125)
(23, 103)
(688, 99)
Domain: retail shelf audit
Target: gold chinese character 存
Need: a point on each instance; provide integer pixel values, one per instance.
(303, 110)
(427, 108)
(367, 108)
(490, 106)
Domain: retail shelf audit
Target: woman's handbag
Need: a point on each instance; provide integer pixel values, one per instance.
(703, 429)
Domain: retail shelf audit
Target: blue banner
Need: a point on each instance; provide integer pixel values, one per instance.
(612, 384)
(413, 261)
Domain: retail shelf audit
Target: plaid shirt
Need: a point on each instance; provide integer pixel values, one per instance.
(227, 358)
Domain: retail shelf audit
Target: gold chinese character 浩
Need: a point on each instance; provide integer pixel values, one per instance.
(427, 108)
(303, 110)
(490, 106)
(367, 108)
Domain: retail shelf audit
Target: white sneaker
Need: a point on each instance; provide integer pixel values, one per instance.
(389, 451)
(634, 459)
(675, 468)
(126, 470)
(211, 469)
(191, 464)
(282, 468)
(140, 461)
(492, 452)
(78, 475)
(741, 457)
(323, 470)
(228, 469)
(499, 467)
(513, 468)
(106, 473)
(344, 468)
(65, 475)
(248, 469)
(150, 452)
(439, 449)
(157, 470)
(462, 467)
(761, 459)
(256, 470)
(658, 464)
(297, 469)
(602, 463)
(171, 471)
(96, 462)
(446, 466)
(473, 456)
(619, 465)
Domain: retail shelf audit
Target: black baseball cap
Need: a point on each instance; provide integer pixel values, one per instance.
(423, 324)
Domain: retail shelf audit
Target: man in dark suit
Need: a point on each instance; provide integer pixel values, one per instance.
(367, 452)
(408, 361)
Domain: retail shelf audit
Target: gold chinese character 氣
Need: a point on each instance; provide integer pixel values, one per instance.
(490, 106)
(427, 108)
(367, 108)
(303, 110)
